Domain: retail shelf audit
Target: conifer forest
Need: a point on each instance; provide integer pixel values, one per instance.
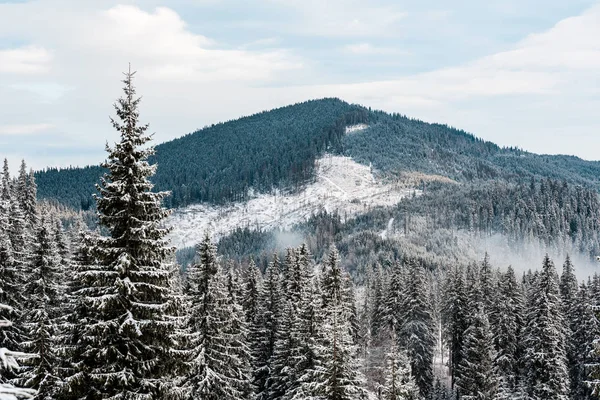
(96, 303)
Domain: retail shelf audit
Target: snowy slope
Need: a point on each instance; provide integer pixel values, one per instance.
(342, 184)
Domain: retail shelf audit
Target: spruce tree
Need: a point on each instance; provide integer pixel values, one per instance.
(217, 366)
(586, 330)
(42, 312)
(568, 296)
(416, 332)
(130, 346)
(11, 291)
(507, 330)
(477, 375)
(399, 381)
(263, 333)
(548, 376)
(454, 321)
(9, 362)
(338, 377)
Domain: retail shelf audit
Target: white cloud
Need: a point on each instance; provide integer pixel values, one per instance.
(365, 49)
(24, 129)
(342, 18)
(25, 60)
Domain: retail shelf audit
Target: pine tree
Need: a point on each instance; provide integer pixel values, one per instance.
(130, 347)
(11, 292)
(586, 330)
(6, 193)
(25, 194)
(477, 378)
(9, 361)
(568, 296)
(548, 376)
(399, 382)
(508, 316)
(337, 377)
(41, 317)
(217, 367)
(454, 317)
(282, 378)
(237, 331)
(263, 333)
(252, 289)
(416, 333)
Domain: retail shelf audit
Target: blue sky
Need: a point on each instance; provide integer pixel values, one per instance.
(524, 73)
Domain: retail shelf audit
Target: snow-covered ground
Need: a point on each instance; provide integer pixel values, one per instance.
(356, 128)
(342, 184)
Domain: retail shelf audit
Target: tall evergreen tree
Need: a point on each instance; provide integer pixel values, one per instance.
(338, 377)
(548, 375)
(454, 319)
(264, 331)
(399, 382)
(9, 361)
(130, 349)
(42, 312)
(506, 331)
(586, 330)
(216, 369)
(416, 333)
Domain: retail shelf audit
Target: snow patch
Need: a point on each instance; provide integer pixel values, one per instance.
(356, 128)
(341, 185)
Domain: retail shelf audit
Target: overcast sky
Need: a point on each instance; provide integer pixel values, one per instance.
(516, 72)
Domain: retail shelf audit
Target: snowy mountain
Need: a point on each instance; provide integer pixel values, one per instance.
(342, 185)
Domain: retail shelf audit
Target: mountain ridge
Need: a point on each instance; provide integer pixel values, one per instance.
(278, 149)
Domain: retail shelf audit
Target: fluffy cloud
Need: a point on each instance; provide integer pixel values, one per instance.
(23, 129)
(24, 60)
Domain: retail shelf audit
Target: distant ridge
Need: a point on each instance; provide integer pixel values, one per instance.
(278, 148)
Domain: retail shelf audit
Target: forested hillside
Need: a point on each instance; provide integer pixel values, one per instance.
(220, 163)
(395, 143)
(278, 149)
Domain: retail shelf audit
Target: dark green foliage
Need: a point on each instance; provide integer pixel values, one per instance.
(396, 143)
(221, 162)
(277, 149)
(130, 346)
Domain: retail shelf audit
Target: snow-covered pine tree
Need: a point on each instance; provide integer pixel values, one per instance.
(237, 332)
(477, 374)
(42, 310)
(216, 370)
(568, 297)
(586, 329)
(338, 376)
(6, 193)
(377, 303)
(508, 319)
(416, 333)
(25, 194)
(350, 302)
(252, 289)
(9, 361)
(399, 382)
(305, 356)
(282, 377)
(298, 346)
(488, 284)
(11, 291)
(454, 317)
(263, 333)
(129, 339)
(548, 375)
